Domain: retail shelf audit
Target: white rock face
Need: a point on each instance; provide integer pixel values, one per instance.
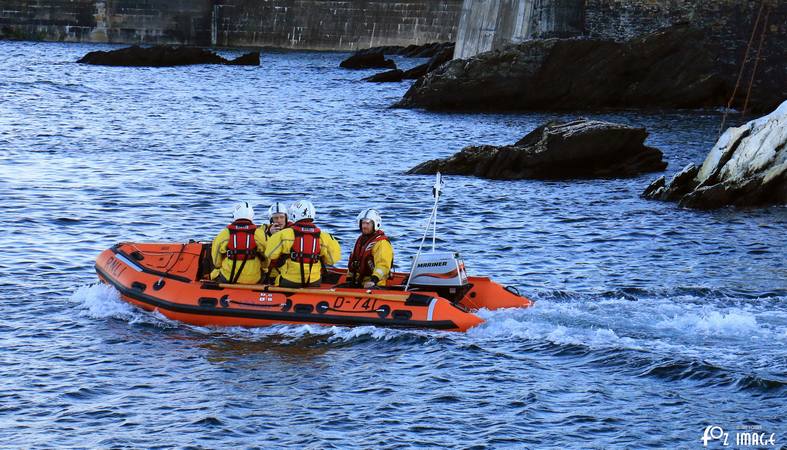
(747, 166)
(754, 148)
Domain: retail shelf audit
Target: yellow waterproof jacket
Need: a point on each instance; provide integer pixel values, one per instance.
(382, 253)
(273, 272)
(252, 270)
(280, 244)
(382, 258)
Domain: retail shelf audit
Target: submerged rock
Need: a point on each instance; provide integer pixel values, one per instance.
(434, 62)
(373, 58)
(248, 59)
(386, 77)
(677, 67)
(164, 56)
(557, 150)
(746, 167)
(428, 50)
(413, 51)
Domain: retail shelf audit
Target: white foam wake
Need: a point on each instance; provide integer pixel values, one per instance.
(733, 322)
(292, 334)
(101, 301)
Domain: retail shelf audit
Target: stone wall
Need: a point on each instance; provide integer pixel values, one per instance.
(296, 24)
(125, 21)
(476, 25)
(51, 20)
(488, 24)
(730, 22)
(335, 25)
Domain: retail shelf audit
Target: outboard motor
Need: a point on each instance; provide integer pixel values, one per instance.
(441, 272)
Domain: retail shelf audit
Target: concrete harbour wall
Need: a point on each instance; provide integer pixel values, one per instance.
(335, 25)
(295, 24)
(123, 21)
(476, 25)
(488, 24)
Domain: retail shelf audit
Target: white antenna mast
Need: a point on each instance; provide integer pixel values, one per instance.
(438, 186)
(436, 189)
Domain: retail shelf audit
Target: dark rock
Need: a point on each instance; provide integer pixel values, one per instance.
(386, 77)
(557, 150)
(374, 57)
(426, 51)
(434, 62)
(675, 68)
(432, 50)
(681, 183)
(655, 186)
(411, 51)
(162, 56)
(387, 49)
(416, 72)
(708, 197)
(746, 167)
(368, 59)
(440, 58)
(248, 59)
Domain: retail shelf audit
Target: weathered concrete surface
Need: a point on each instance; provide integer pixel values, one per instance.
(490, 24)
(124, 21)
(335, 25)
(164, 56)
(353, 25)
(730, 24)
(557, 150)
(296, 24)
(746, 167)
(673, 68)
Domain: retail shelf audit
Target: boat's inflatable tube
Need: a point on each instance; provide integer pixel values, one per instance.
(169, 278)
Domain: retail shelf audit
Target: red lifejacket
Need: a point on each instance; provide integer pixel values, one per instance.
(241, 245)
(306, 246)
(361, 263)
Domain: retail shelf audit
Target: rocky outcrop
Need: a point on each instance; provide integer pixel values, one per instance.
(428, 50)
(373, 58)
(676, 68)
(746, 167)
(417, 71)
(413, 51)
(248, 59)
(434, 62)
(557, 150)
(164, 56)
(386, 77)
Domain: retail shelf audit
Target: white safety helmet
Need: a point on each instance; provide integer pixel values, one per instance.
(302, 209)
(243, 210)
(277, 208)
(373, 215)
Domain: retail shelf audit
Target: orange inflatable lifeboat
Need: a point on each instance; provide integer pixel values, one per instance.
(172, 279)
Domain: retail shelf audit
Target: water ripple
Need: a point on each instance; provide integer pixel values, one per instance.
(651, 322)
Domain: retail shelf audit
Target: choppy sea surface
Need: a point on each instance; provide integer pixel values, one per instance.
(652, 322)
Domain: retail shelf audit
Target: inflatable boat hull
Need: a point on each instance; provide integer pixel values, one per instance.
(169, 278)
